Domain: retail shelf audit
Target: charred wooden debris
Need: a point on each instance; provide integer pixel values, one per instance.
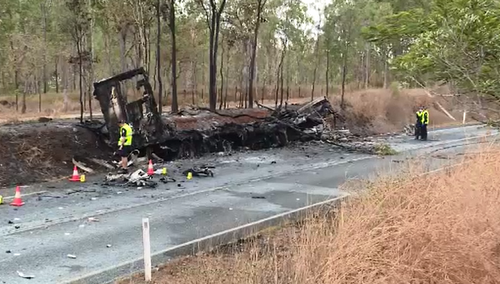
(170, 137)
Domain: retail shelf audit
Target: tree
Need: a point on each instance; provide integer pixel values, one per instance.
(258, 20)
(457, 42)
(78, 25)
(213, 17)
(158, 57)
(169, 15)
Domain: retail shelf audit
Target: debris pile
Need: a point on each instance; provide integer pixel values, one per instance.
(192, 133)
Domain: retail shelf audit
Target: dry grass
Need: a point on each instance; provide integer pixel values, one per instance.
(441, 228)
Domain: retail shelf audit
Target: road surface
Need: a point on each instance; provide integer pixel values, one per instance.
(36, 238)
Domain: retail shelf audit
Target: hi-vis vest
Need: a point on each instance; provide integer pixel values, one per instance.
(128, 135)
(425, 117)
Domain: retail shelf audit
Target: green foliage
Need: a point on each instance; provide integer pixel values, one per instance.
(456, 41)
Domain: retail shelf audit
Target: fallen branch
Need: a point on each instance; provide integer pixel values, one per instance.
(263, 106)
(81, 166)
(432, 96)
(102, 163)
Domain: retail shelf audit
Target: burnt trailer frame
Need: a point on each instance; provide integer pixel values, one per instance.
(141, 114)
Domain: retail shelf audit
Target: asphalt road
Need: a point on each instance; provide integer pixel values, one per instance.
(36, 238)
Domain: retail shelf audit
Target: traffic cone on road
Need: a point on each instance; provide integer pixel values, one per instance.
(151, 171)
(75, 176)
(17, 198)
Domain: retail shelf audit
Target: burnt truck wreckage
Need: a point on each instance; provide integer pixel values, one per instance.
(162, 137)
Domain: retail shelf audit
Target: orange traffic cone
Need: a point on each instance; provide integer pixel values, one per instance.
(17, 198)
(151, 171)
(76, 176)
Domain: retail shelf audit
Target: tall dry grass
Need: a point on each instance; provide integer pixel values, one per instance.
(440, 228)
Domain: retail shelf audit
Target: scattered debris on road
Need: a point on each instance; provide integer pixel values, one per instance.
(27, 276)
(200, 171)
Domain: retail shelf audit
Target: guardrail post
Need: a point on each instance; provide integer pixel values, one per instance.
(147, 249)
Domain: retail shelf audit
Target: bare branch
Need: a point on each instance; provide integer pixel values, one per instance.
(207, 15)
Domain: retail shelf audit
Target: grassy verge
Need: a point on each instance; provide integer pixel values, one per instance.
(440, 228)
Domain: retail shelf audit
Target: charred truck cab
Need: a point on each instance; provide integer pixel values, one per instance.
(141, 114)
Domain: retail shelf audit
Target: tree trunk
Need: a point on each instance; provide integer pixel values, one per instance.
(123, 43)
(281, 87)
(279, 82)
(40, 98)
(227, 76)
(23, 108)
(342, 92)
(90, 46)
(80, 66)
(260, 6)
(65, 83)
(158, 57)
(212, 96)
(56, 73)
(221, 71)
(386, 70)
(314, 81)
(367, 66)
(316, 52)
(214, 28)
(175, 104)
(44, 15)
(108, 52)
(327, 75)
(288, 79)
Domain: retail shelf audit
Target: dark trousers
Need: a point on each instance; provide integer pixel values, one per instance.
(418, 127)
(423, 131)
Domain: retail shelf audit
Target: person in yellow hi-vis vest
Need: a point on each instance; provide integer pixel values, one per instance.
(425, 122)
(124, 144)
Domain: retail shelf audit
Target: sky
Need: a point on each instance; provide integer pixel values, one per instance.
(315, 8)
